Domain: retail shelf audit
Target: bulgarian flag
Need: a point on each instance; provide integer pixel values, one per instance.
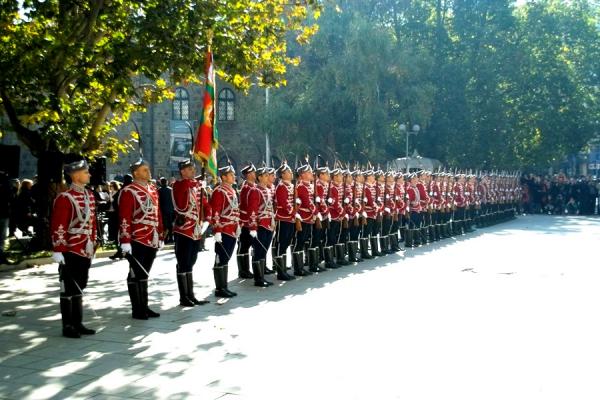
(207, 137)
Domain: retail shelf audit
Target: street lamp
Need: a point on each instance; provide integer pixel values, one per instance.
(415, 130)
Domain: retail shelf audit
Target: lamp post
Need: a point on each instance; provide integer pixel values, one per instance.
(415, 130)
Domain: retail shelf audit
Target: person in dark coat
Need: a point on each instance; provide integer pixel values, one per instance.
(165, 200)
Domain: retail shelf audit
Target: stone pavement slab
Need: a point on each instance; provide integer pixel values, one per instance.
(507, 312)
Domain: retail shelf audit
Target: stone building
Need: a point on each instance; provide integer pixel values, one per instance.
(165, 131)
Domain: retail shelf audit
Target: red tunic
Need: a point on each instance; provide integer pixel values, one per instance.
(389, 199)
(371, 206)
(321, 197)
(424, 197)
(73, 223)
(359, 199)
(225, 210)
(459, 195)
(247, 187)
(414, 199)
(306, 207)
(140, 216)
(336, 202)
(380, 197)
(436, 195)
(349, 207)
(284, 202)
(260, 208)
(399, 196)
(191, 203)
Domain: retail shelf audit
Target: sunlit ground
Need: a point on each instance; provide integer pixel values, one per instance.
(508, 312)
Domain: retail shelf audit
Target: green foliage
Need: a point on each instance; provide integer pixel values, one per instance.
(493, 85)
(70, 72)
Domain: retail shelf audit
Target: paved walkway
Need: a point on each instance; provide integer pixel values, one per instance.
(508, 312)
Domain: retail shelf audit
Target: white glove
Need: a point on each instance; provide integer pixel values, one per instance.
(330, 200)
(379, 199)
(319, 217)
(387, 210)
(298, 216)
(328, 217)
(298, 201)
(161, 244)
(357, 215)
(364, 214)
(347, 216)
(218, 237)
(204, 227)
(253, 234)
(126, 248)
(58, 258)
(317, 199)
(397, 198)
(365, 200)
(346, 201)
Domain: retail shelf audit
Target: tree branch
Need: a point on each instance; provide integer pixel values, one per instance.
(31, 139)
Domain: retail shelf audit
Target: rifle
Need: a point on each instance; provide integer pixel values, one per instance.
(355, 219)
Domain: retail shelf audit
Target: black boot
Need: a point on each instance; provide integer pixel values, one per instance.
(408, 235)
(77, 311)
(364, 249)
(259, 279)
(281, 269)
(220, 275)
(182, 285)
(298, 264)
(394, 244)
(424, 235)
(374, 248)
(357, 251)
(352, 250)
(243, 262)
(313, 260)
(329, 260)
(263, 271)
(382, 246)
(66, 311)
(340, 254)
(144, 297)
(190, 291)
(431, 231)
(137, 312)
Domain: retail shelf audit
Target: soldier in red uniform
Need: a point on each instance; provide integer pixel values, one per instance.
(261, 224)
(308, 213)
(435, 193)
(372, 207)
(192, 215)
(226, 218)
(140, 235)
(73, 227)
(247, 236)
(319, 231)
(285, 216)
(413, 233)
(380, 190)
(460, 201)
(399, 197)
(337, 214)
(358, 228)
(422, 185)
(470, 195)
(387, 242)
(351, 231)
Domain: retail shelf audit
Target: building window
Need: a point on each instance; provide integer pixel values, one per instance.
(181, 104)
(226, 105)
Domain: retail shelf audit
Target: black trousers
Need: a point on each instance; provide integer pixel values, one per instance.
(333, 233)
(186, 252)
(261, 243)
(73, 274)
(317, 235)
(140, 262)
(355, 229)
(386, 225)
(303, 236)
(245, 241)
(284, 236)
(370, 229)
(459, 214)
(416, 220)
(224, 250)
